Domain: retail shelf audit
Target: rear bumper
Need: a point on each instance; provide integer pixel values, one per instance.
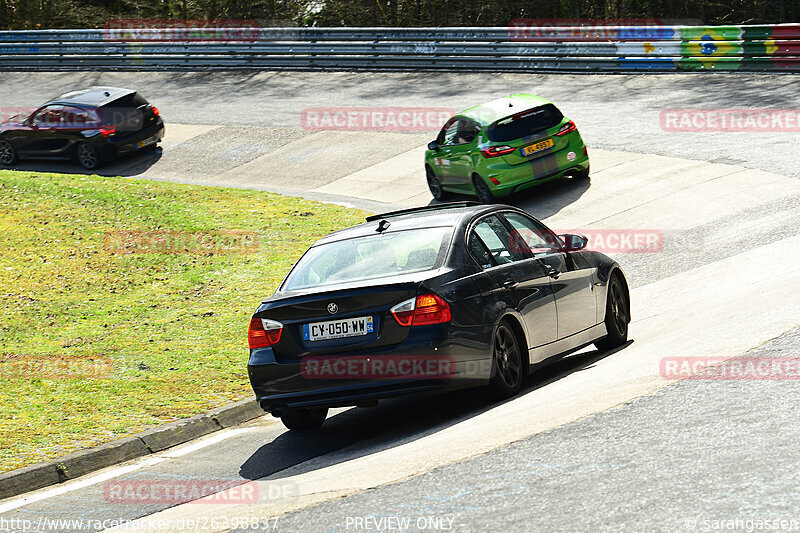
(141, 139)
(309, 382)
(514, 178)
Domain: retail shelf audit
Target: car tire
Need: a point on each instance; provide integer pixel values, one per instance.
(581, 174)
(482, 191)
(303, 419)
(435, 186)
(8, 155)
(508, 369)
(87, 156)
(618, 314)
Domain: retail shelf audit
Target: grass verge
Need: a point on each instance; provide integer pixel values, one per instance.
(125, 303)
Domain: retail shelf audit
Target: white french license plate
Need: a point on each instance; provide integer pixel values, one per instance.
(337, 329)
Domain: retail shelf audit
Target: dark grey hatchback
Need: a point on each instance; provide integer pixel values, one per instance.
(445, 296)
(92, 126)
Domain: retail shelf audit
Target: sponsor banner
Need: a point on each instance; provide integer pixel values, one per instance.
(375, 118)
(730, 120)
(180, 242)
(740, 368)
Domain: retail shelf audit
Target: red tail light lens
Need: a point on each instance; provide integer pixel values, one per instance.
(263, 333)
(494, 151)
(107, 131)
(566, 128)
(155, 110)
(422, 311)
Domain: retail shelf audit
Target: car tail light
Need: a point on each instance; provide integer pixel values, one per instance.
(421, 311)
(566, 128)
(107, 131)
(494, 151)
(155, 110)
(263, 332)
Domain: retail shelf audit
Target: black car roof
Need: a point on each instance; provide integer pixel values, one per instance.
(449, 215)
(93, 96)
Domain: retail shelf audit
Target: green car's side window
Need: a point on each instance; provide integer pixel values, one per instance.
(467, 131)
(450, 133)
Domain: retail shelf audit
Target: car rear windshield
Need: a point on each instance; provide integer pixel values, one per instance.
(365, 258)
(525, 123)
(125, 113)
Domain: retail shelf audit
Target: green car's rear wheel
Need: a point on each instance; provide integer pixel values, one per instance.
(581, 174)
(482, 191)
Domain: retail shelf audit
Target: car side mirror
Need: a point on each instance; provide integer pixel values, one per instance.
(433, 145)
(573, 243)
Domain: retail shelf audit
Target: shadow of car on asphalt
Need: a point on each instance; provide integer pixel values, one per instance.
(542, 201)
(128, 165)
(394, 422)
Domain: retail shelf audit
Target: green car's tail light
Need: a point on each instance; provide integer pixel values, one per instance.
(263, 332)
(156, 112)
(566, 128)
(494, 151)
(421, 311)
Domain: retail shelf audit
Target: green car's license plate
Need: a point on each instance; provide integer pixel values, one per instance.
(538, 147)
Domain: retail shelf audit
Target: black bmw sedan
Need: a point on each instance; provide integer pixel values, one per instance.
(91, 126)
(446, 296)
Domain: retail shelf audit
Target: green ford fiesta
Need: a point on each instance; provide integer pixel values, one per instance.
(503, 146)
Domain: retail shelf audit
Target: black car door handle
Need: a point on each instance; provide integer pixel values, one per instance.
(552, 272)
(510, 284)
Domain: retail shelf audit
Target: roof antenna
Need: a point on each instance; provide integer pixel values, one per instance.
(107, 93)
(510, 104)
(382, 225)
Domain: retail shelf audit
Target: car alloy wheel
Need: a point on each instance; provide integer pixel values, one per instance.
(8, 156)
(508, 370)
(618, 315)
(482, 190)
(435, 185)
(87, 156)
(506, 351)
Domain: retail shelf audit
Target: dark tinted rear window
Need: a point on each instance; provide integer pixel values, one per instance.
(525, 123)
(129, 100)
(125, 113)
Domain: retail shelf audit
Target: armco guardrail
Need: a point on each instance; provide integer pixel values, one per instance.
(518, 47)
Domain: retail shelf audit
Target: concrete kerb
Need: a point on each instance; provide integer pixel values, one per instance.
(153, 440)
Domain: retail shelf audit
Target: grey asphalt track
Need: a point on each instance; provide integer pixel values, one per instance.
(697, 450)
(688, 458)
(612, 111)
